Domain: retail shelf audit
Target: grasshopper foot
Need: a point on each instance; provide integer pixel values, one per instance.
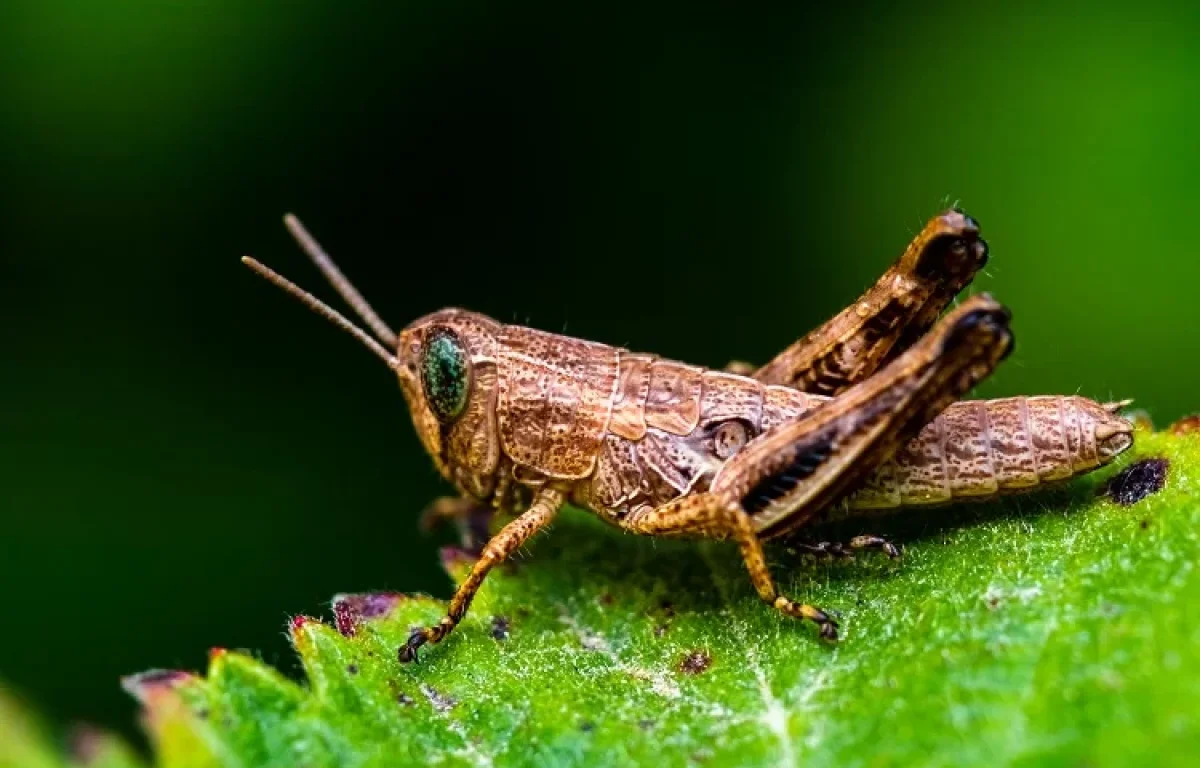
(827, 627)
(875, 542)
(829, 631)
(408, 651)
(419, 637)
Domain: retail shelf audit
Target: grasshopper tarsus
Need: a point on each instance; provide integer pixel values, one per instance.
(845, 550)
(407, 653)
(867, 541)
(829, 631)
(827, 627)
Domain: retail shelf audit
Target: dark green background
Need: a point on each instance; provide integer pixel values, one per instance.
(187, 458)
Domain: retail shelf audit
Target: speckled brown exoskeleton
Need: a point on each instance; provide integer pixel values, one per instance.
(859, 415)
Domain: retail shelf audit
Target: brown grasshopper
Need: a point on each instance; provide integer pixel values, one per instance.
(858, 415)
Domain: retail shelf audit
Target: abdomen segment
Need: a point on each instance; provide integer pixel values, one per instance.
(985, 448)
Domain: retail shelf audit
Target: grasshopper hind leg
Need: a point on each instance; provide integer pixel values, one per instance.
(788, 474)
(889, 318)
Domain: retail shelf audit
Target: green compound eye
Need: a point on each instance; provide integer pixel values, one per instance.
(445, 374)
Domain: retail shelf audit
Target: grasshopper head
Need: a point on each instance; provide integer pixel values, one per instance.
(446, 364)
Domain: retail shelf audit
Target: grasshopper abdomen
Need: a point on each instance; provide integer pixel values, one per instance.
(977, 450)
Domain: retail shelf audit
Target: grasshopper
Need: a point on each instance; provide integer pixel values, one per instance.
(859, 415)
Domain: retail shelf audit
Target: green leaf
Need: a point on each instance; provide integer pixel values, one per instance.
(26, 742)
(1054, 628)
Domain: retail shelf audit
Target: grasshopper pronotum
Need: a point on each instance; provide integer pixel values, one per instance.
(860, 414)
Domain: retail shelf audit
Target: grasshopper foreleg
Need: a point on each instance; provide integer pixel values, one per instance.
(545, 505)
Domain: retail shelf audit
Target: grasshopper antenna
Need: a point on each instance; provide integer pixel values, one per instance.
(322, 309)
(335, 277)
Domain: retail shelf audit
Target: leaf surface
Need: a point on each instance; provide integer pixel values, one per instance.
(1055, 628)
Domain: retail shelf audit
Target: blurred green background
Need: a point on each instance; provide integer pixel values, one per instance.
(187, 458)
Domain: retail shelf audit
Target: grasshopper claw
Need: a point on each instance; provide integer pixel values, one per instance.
(829, 631)
(408, 651)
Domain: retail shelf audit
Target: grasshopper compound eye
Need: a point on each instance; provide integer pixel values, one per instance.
(445, 374)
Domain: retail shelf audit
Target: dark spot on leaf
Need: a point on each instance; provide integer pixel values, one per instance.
(607, 599)
(1188, 425)
(1137, 481)
(668, 608)
(1145, 524)
(695, 663)
(402, 698)
(500, 627)
(587, 726)
(202, 714)
(646, 725)
(352, 669)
